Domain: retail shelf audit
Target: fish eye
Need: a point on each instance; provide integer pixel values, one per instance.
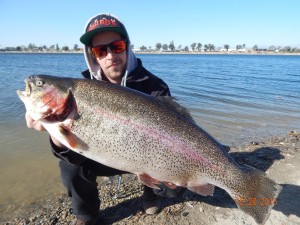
(39, 83)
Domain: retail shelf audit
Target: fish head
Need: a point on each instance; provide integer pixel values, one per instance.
(45, 96)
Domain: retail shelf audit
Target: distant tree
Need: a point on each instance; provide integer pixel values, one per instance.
(272, 48)
(143, 48)
(132, 46)
(44, 47)
(65, 48)
(52, 47)
(165, 47)
(150, 48)
(226, 47)
(75, 47)
(186, 48)
(179, 47)
(206, 47)
(287, 48)
(57, 47)
(238, 47)
(211, 47)
(193, 46)
(158, 46)
(172, 46)
(255, 48)
(244, 46)
(199, 46)
(18, 48)
(32, 46)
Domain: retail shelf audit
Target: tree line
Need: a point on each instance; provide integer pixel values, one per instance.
(43, 48)
(211, 48)
(159, 47)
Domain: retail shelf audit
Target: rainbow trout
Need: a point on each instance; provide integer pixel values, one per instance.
(150, 137)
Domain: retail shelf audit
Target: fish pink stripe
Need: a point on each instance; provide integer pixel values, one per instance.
(173, 143)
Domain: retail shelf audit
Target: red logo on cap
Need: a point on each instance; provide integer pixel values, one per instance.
(102, 22)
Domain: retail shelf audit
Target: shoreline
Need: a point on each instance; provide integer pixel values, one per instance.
(172, 53)
(277, 156)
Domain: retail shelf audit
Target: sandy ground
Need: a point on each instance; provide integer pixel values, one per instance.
(278, 157)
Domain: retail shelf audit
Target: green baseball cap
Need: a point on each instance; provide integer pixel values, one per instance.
(101, 23)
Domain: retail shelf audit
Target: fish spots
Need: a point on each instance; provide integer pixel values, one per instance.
(155, 137)
(204, 189)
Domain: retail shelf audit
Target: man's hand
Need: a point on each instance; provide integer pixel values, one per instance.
(37, 125)
(34, 124)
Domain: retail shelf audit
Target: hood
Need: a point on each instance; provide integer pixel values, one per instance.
(94, 67)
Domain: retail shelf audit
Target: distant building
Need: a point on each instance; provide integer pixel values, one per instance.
(229, 50)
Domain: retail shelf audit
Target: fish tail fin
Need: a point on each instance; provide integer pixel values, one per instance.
(258, 194)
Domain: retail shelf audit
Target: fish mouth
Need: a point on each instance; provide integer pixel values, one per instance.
(27, 91)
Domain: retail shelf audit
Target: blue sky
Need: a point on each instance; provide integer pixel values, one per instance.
(218, 22)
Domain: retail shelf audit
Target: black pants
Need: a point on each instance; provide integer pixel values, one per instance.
(81, 185)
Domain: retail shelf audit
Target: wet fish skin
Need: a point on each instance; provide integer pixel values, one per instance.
(138, 133)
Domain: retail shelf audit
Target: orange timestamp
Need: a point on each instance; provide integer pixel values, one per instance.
(254, 201)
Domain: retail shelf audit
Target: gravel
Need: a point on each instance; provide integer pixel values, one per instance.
(270, 156)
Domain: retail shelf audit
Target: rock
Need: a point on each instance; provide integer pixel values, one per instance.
(64, 215)
(185, 214)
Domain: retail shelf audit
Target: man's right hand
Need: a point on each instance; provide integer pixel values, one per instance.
(37, 125)
(33, 124)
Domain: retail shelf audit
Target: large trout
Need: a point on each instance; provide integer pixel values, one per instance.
(147, 136)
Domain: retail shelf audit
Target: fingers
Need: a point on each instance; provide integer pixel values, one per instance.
(33, 124)
(29, 120)
(37, 125)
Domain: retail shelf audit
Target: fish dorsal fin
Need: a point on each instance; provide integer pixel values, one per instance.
(171, 102)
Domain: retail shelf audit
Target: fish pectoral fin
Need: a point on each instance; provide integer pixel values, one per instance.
(203, 189)
(73, 141)
(149, 181)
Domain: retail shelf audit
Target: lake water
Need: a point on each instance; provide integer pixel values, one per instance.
(236, 98)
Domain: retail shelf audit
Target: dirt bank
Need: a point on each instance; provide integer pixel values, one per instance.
(278, 157)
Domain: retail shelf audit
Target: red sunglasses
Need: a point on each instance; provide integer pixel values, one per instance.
(116, 47)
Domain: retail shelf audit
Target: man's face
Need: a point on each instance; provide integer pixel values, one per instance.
(112, 65)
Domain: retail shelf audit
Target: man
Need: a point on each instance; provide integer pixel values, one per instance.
(109, 57)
